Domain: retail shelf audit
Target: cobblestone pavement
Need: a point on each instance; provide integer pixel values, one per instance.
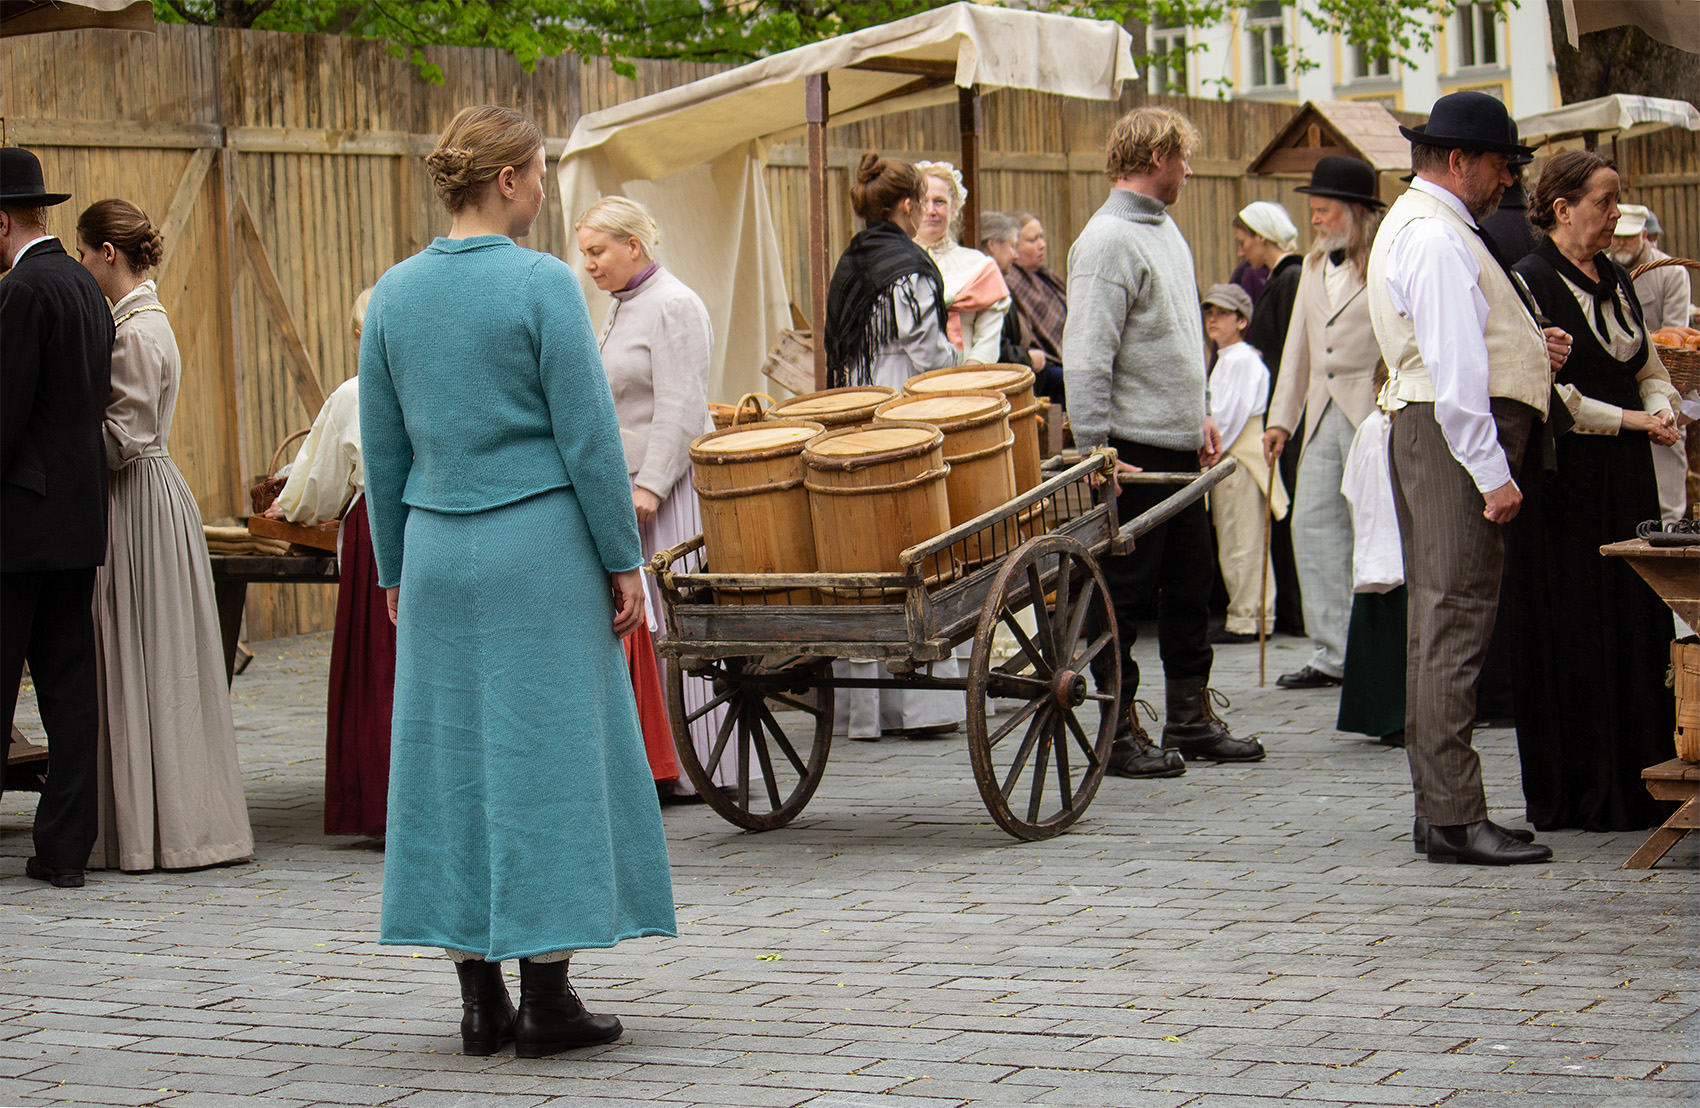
(1253, 935)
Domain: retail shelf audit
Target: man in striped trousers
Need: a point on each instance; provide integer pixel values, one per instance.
(1469, 379)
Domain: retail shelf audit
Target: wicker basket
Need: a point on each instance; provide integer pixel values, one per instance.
(748, 409)
(1683, 365)
(1685, 668)
(266, 489)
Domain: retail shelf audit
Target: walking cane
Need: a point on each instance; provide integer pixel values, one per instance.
(1263, 577)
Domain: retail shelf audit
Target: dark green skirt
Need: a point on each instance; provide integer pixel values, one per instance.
(1372, 687)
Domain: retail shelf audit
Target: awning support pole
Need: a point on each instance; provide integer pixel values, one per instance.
(968, 111)
(815, 114)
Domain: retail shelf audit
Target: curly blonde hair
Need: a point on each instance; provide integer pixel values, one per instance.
(952, 177)
(1142, 136)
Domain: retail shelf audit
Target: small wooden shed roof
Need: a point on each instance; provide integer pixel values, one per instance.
(1361, 129)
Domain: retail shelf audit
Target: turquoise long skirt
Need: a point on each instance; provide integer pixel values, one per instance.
(522, 814)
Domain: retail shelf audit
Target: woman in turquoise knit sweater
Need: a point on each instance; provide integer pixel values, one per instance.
(522, 821)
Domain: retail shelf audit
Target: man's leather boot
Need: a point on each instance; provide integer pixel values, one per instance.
(551, 1016)
(487, 1014)
(1133, 754)
(1195, 730)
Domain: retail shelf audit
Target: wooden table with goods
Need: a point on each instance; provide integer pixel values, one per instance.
(1674, 573)
(266, 552)
(1023, 567)
(233, 573)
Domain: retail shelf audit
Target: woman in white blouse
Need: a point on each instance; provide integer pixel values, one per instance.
(327, 480)
(657, 348)
(973, 285)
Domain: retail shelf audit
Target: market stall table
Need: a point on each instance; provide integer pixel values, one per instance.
(233, 573)
(1674, 573)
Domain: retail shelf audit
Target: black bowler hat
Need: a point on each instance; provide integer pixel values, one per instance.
(21, 184)
(1344, 178)
(1519, 159)
(1468, 121)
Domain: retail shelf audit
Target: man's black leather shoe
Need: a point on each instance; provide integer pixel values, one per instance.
(1133, 754)
(60, 877)
(1197, 731)
(1419, 834)
(1481, 844)
(1307, 678)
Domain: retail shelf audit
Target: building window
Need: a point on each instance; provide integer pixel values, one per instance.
(1167, 72)
(1478, 34)
(1266, 41)
(1367, 67)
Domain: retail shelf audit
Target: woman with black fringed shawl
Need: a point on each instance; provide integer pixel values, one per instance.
(885, 311)
(885, 322)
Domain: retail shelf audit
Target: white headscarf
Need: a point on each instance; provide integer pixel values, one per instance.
(1269, 220)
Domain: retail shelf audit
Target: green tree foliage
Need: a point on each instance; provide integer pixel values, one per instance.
(743, 30)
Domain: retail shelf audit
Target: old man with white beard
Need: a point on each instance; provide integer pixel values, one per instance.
(1327, 383)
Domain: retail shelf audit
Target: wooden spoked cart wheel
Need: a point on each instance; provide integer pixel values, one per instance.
(768, 729)
(1039, 767)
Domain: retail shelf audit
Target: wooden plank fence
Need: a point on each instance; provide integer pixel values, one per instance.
(285, 172)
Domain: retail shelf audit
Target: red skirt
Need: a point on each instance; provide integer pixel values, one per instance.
(651, 705)
(362, 690)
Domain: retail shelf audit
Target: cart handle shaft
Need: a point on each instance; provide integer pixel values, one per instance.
(1172, 506)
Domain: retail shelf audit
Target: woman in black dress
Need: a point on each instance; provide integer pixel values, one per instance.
(1592, 641)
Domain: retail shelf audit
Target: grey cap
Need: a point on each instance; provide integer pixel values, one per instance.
(1231, 297)
(1653, 227)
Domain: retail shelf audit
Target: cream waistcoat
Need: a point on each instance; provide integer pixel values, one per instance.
(1517, 356)
(1331, 354)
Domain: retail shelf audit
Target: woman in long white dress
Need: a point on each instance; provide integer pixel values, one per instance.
(170, 781)
(657, 344)
(974, 287)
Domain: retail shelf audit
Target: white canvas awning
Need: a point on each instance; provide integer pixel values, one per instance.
(33, 17)
(694, 154)
(1672, 22)
(1618, 115)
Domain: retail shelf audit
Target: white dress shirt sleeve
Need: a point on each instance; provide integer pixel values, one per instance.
(1238, 386)
(328, 469)
(1433, 280)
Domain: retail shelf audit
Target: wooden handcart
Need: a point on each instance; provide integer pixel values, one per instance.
(1029, 568)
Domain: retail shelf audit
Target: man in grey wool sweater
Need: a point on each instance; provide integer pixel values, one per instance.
(1133, 357)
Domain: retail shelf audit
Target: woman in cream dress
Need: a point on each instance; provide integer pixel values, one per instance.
(656, 344)
(973, 285)
(170, 783)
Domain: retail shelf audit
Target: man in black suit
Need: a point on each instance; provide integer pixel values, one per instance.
(55, 371)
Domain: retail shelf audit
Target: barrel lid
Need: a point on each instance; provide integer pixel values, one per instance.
(990, 377)
(930, 409)
(833, 400)
(758, 437)
(873, 440)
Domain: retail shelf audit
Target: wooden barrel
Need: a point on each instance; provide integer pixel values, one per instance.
(1015, 382)
(873, 493)
(755, 510)
(835, 408)
(977, 443)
